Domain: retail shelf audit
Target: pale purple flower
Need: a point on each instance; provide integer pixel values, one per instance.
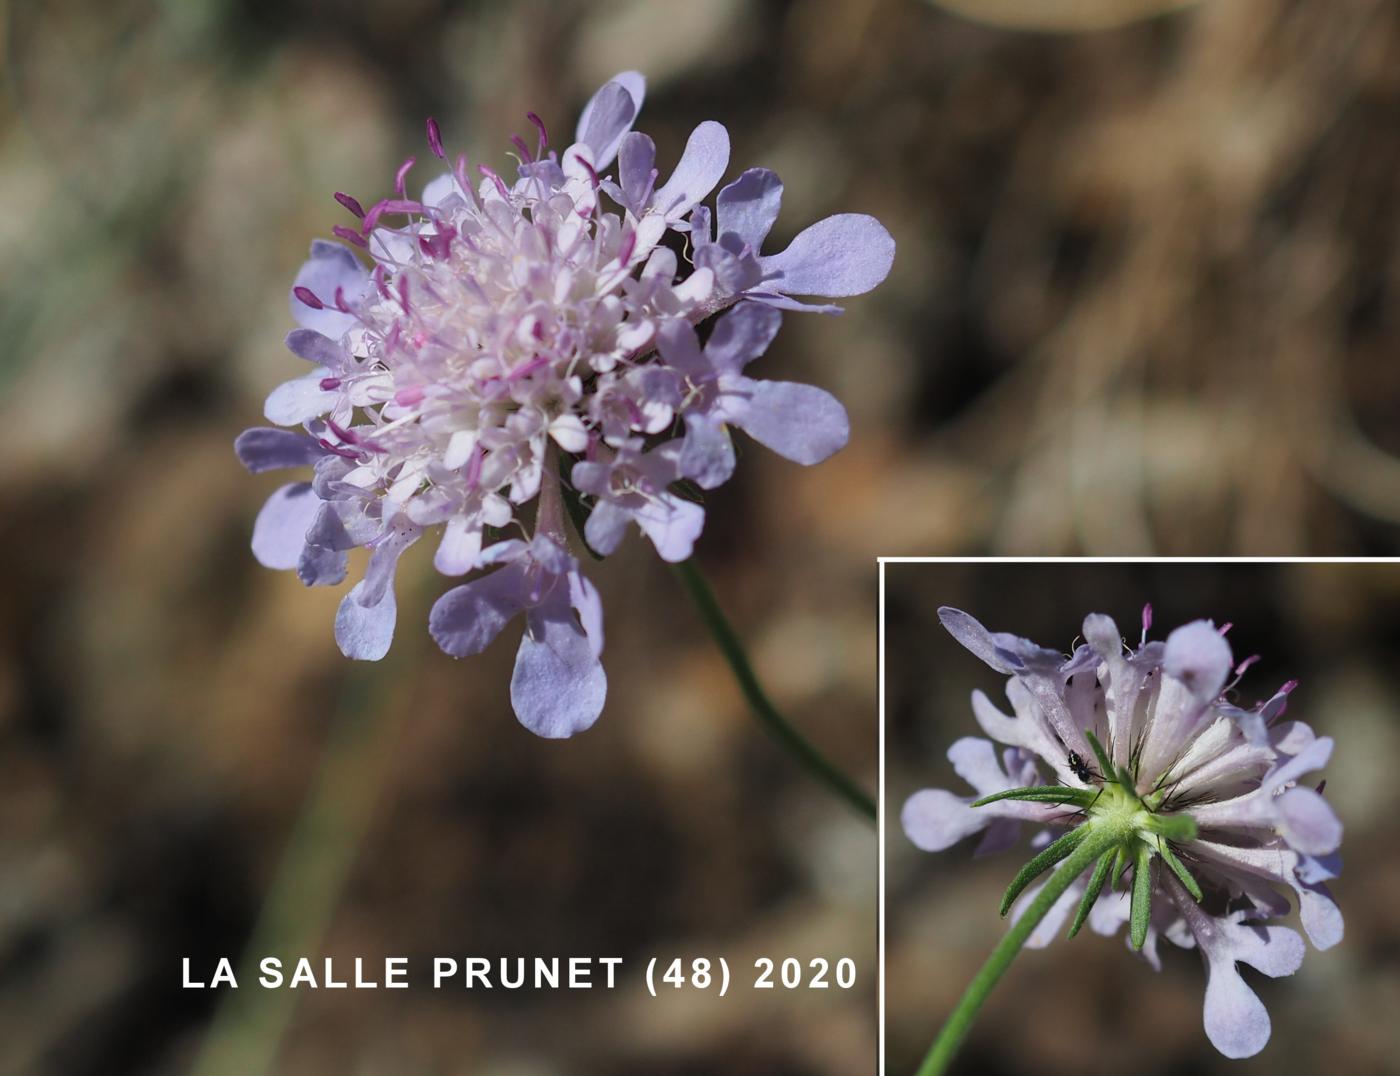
(846, 254)
(1215, 791)
(504, 332)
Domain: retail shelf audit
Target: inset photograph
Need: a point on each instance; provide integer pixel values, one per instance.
(1118, 796)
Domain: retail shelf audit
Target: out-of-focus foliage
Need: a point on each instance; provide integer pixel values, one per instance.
(1062, 16)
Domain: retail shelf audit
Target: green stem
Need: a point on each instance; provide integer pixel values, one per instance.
(960, 1022)
(812, 760)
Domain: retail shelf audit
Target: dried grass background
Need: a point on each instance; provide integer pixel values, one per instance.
(1143, 302)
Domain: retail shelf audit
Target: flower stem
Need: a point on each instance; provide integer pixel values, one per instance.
(812, 760)
(960, 1021)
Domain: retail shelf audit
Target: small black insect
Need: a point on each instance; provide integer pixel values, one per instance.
(1080, 768)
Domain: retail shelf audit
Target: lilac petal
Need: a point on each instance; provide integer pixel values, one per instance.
(801, 423)
(317, 349)
(998, 837)
(384, 560)
(1049, 927)
(747, 208)
(784, 302)
(609, 115)
(264, 449)
(636, 172)
(606, 525)
(279, 532)
(741, 336)
(322, 567)
(1299, 815)
(364, 632)
(847, 254)
(300, 400)
(975, 761)
(1198, 655)
(679, 346)
(586, 602)
(701, 166)
(1321, 918)
(707, 456)
(465, 619)
(559, 686)
(935, 819)
(969, 631)
(460, 548)
(328, 531)
(672, 524)
(1029, 731)
(1236, 1021)
(733, 275)
(700, 231)
(330, 266)
(1307, 822)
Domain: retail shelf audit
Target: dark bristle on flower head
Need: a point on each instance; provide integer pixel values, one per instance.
(508, 323)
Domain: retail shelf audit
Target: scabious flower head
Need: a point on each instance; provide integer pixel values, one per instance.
(1205, 798)
(510, 342)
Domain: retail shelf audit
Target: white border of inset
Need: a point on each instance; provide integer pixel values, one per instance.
(880, 665)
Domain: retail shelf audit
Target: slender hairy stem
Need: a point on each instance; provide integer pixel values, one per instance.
(812, 760)
(959, 1023)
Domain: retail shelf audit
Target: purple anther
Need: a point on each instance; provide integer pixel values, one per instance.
(307, 296)
(474, 462)
(340, 303)
(629, 244)
(500, 183)
(593, 172)
(525, 369)
(378, 277)
(410, 396)
(330, 384)
(351, 204)
(435, 140)
(403, 293)
(389, 206)
(438, 245)
(544, 135)
(519, 143)
(347, 436)
(350, 235)
(343, 453)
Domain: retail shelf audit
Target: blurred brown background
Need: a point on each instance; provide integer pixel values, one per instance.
(1090, 1005)
(1142, 302)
